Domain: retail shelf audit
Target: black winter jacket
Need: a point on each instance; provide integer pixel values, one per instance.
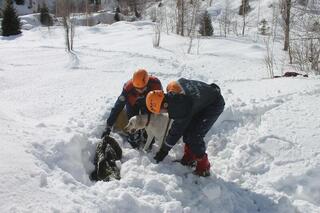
(195, 97)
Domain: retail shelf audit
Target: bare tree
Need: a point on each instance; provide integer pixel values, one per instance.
(243, 24)
(259, 9)
(270, 41)
(133, 7)
(158, 19)
(234, 28)
(269, 57)
(304, 41)
(275, 20)
(226, 18)
(157, 35)
(244, 10)
(180, 20)
(65, 9)
(181, 9)
(315, 54)
(166, 20)
(305, 52)
(193, 31)
(87, 12)
(299, 53)
(286, 12)
(159, 16)
(66, 21)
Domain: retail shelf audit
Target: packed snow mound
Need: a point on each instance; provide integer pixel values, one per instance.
(30, 21)
(103, 17)
(33, 20)
(163, 187)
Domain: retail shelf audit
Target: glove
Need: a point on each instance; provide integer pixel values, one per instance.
(162, 153)
(106, 132)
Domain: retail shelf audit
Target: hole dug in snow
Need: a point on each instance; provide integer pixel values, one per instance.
(75, 157)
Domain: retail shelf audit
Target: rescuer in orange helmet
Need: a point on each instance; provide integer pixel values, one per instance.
(132, 98)
(194, 107)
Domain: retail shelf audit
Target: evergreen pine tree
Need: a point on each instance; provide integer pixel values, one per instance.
(117, 15)
(264, 28)
(45, 17)
(206, 28)
(10, 24)
(316, 26)
(136, 13)
(244, 7)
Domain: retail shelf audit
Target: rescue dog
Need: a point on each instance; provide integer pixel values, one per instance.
(107, 153)
(156, 126)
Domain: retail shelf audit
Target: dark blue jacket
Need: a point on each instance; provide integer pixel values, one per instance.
(129, 97)
(195, 97)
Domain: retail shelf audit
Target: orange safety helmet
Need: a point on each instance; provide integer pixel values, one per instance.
(140, 78)
(154, 101)
(174, 86)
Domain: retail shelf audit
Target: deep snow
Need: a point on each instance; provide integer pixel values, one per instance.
(264, 148)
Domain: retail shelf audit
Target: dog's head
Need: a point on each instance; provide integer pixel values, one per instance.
(135, 123)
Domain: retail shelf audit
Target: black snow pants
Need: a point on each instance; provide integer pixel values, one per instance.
(199, 126)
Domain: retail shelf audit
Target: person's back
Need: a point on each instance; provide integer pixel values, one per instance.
(200, 93)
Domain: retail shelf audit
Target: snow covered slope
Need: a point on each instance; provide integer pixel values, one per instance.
(264, 148)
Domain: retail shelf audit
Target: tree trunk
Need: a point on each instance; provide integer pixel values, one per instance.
(287, 9)
(244, 16)
(180, 18)
(244, 25)
(66, 27)
(192, 32)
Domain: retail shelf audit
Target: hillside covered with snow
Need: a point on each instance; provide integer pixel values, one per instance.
(263, 149)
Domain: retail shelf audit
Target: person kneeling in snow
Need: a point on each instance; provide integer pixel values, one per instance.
(194, 107)
(107, 153)
(133, 97)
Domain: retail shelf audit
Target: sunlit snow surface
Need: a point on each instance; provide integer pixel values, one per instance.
(264, 149)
